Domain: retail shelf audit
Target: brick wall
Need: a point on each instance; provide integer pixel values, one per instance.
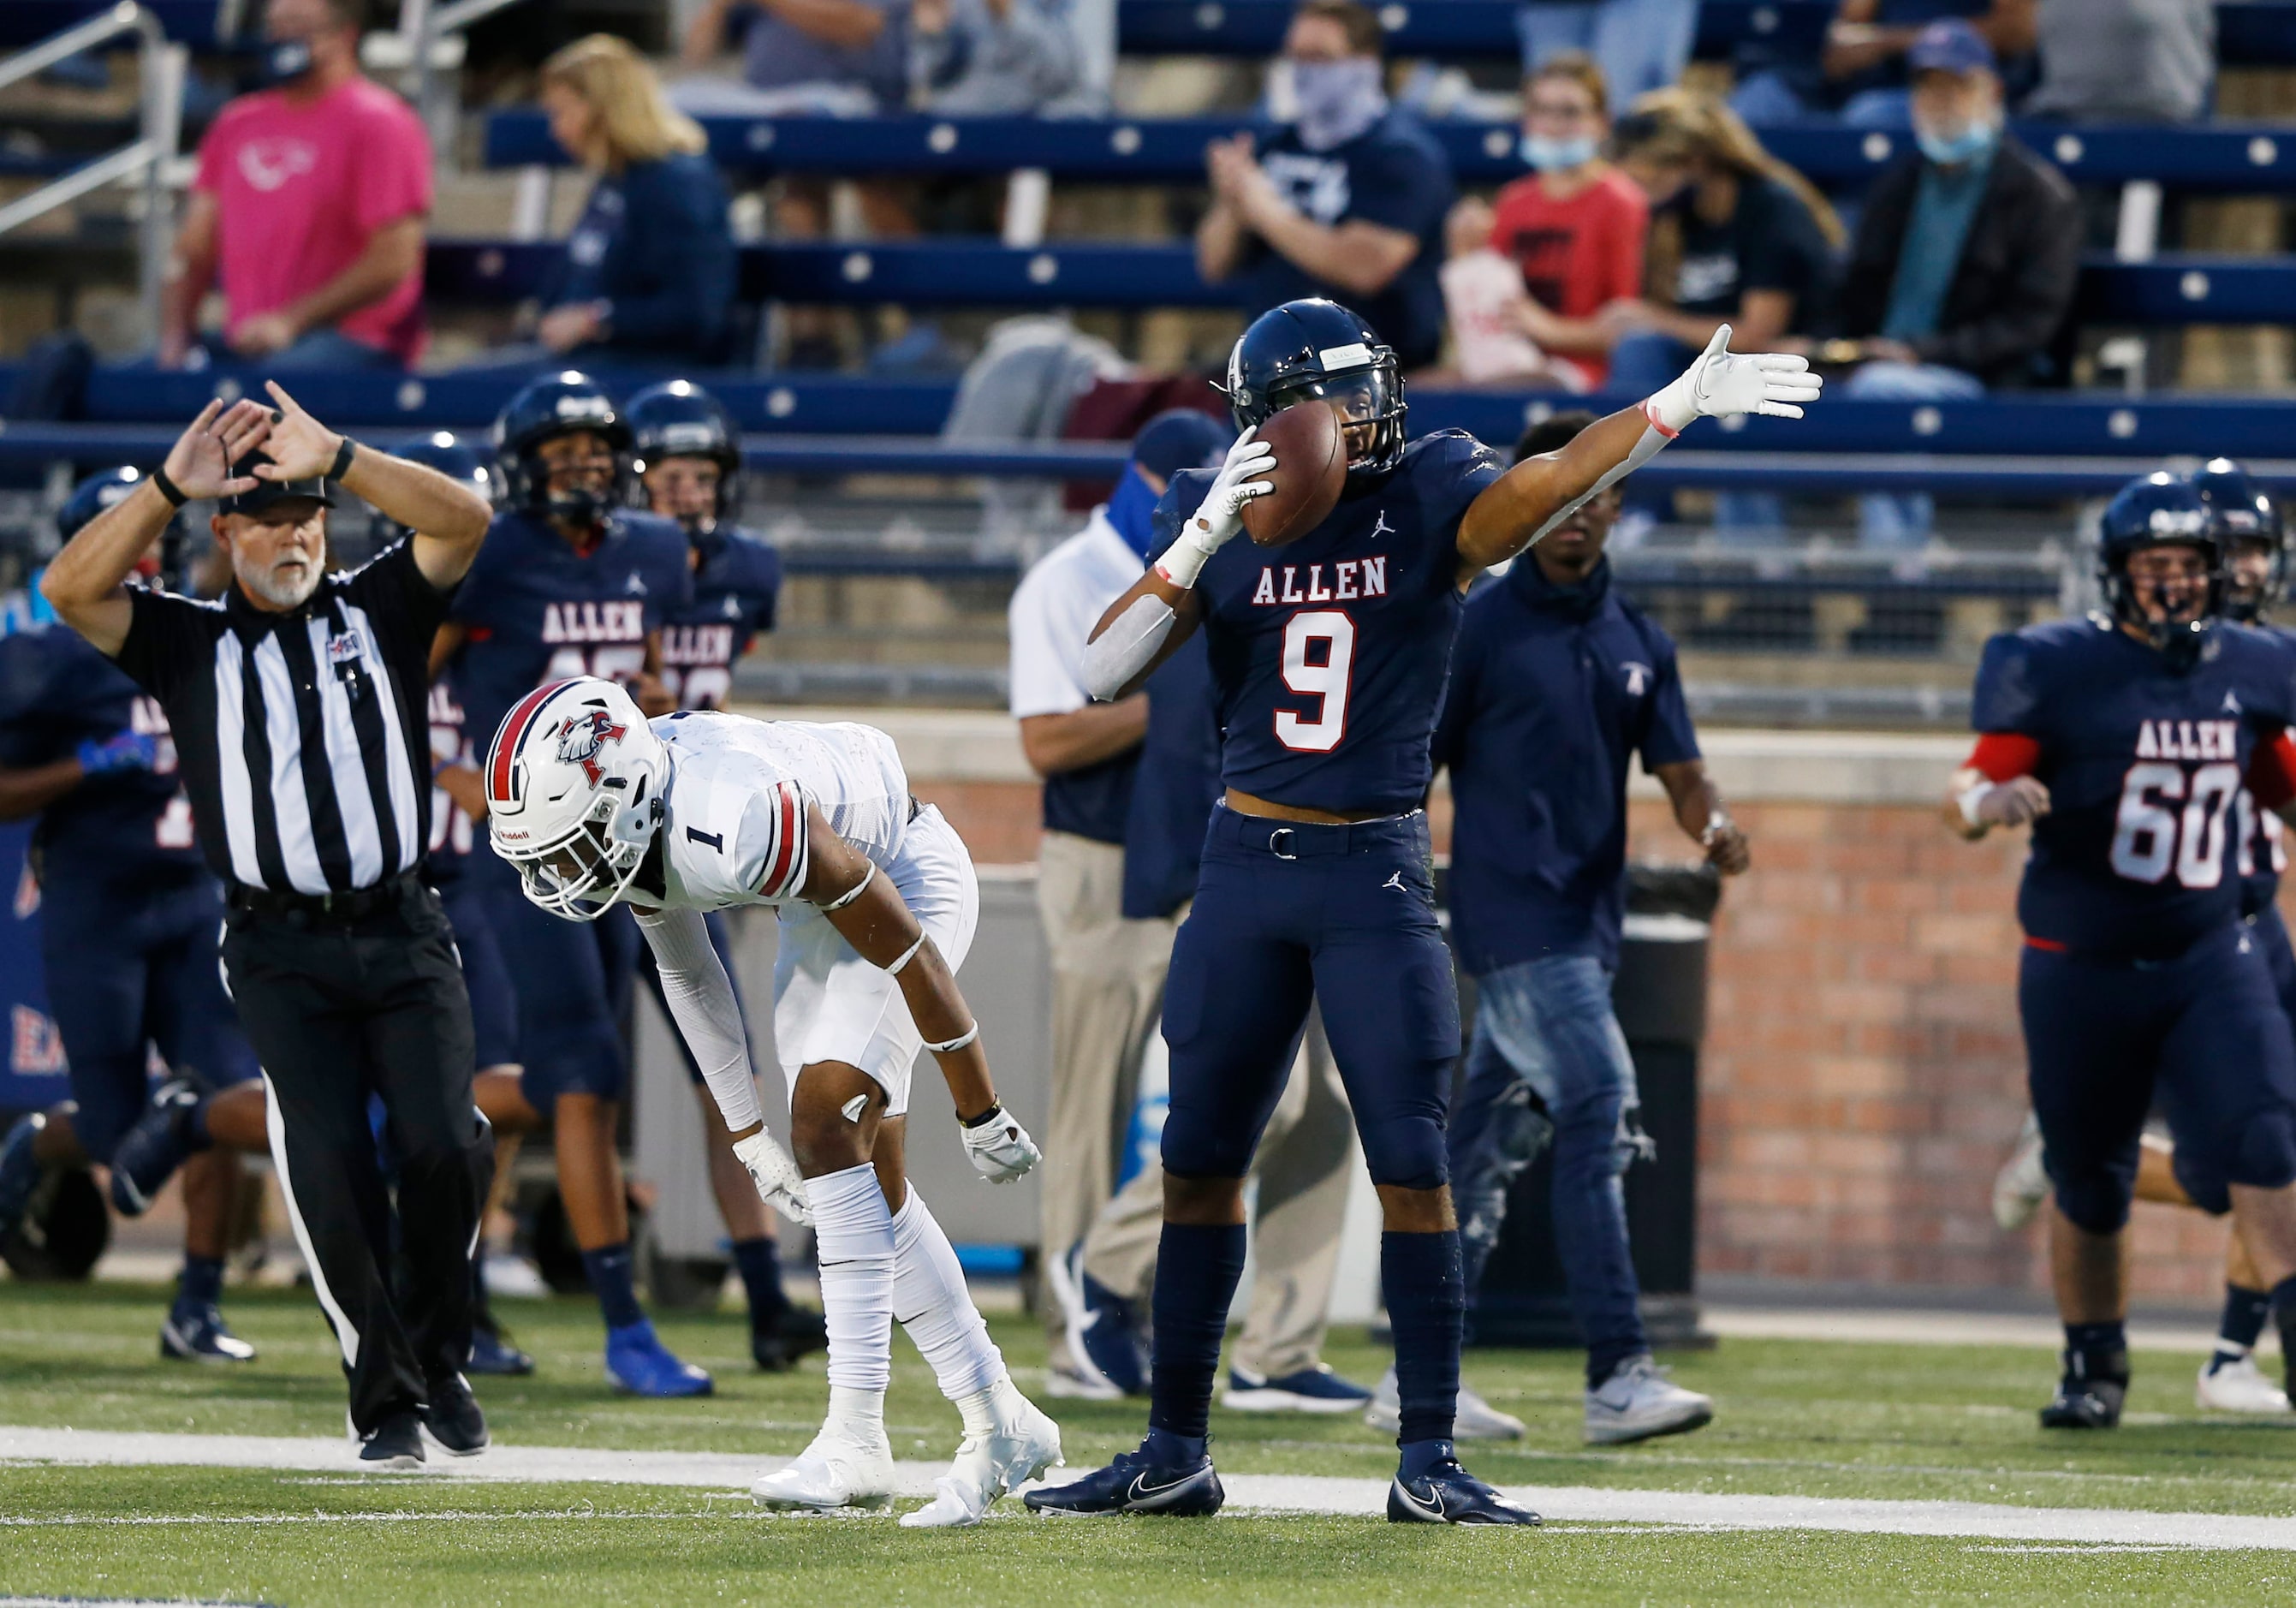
(1864, 1071)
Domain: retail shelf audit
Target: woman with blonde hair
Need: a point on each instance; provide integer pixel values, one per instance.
(648, 275)
(1736, 237)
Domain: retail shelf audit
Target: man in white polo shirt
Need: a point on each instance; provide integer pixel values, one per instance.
(1108, 973)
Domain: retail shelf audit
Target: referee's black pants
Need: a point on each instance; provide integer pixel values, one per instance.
(338, 1010)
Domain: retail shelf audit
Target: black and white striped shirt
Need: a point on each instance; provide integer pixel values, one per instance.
(303, 737)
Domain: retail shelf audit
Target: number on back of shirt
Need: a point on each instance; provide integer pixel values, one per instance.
(2171, 820)
(1319, 652)
(618, 661)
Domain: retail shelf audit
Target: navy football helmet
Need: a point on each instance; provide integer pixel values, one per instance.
(99, 492)
(680, 419)
(2245, 515)
(455, 458)
(1315, 347)
(2161, 510)
(549, 408)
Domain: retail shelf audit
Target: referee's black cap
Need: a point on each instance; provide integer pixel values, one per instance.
(267, 492)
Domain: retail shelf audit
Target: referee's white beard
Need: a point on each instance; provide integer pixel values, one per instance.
(285, 584)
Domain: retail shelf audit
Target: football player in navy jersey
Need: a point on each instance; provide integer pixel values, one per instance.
(2124, 740)
(570, 582)
(130, 920)
(688, 458)
(1328, 656)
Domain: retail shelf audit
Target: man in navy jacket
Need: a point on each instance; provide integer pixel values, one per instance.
(1556, 683)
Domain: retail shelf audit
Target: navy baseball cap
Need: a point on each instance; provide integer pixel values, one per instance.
(1180, 438)
(267, 492)
(1950, 44)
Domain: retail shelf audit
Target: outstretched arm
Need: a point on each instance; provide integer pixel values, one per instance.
(1539, 492)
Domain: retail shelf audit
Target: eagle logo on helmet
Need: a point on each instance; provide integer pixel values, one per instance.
(583, 735)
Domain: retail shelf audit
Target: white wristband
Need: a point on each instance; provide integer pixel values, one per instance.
(949, 1045)
(1971, 799)
(908, 956)
(1184, 559)
(852, 893)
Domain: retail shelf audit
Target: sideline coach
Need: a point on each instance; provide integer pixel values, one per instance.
(299, 707)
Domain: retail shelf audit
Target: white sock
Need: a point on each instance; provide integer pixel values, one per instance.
(853, 1239)
(935, 1307)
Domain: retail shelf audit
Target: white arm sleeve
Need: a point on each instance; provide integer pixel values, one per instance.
(1646, 449)
(702, 999)
(1125, 648)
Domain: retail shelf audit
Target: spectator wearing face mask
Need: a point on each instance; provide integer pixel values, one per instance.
(1862, 74)
(309, 208)
(1576, 225)
(1964, 262)
(1346, 200)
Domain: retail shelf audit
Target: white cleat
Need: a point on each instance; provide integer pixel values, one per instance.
(834, 1472)
(2022, 1183)
(1024, 1444)
(1472, 1417)
(2230, 1385)
(1638, 1401)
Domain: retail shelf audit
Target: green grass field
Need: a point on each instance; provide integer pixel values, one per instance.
(1794, 1419)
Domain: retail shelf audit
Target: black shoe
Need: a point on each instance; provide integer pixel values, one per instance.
(493, 1356)
(1134, 1484)
(791, 1333)
(397, 1442)
(452, 1419)
(1447, 1494)
(2085, 1404)
(150, 1153)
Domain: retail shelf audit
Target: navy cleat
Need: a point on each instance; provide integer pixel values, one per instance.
(1137, 1482)
(1315, 1390)
(636, 1361)
(793, 1332)
(19, 1170)
(493, 1356)
(1110, 1337)
(151, 1151)
(2085, 1404)
(195, 1332)
(1443, 1493)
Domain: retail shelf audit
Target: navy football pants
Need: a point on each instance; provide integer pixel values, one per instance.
(494, 1005)
(1286, 915)
(130, 971)
(2203, 1034)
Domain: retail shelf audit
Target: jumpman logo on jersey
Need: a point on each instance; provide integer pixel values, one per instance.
(636, 587)
(2231, 703)
(1381, 528)
(1394, 881)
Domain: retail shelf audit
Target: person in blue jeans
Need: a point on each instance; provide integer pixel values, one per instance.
(1556, 683)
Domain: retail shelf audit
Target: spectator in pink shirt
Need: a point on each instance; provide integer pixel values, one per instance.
(309, 205)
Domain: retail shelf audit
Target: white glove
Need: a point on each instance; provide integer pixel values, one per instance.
(1220, 515)
(998, 1147)
(1721, 383)
(779, 1183)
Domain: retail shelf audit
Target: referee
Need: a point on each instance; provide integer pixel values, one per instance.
(298, 704)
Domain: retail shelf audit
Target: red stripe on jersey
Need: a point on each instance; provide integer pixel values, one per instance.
(513, 733)
(786, 849)
(2000, 755)
(2050, 945)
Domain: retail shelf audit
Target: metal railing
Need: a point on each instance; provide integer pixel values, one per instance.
(422, 29)
(162, 67)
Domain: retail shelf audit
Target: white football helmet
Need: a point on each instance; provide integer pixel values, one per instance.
(575, 779)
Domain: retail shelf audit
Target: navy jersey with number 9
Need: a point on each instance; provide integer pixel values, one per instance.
(1330, 654)
(2139, 854)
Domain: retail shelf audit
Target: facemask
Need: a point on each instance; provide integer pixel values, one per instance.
(1333, 101)
(1131, 511)
(285, 60)
(1966, 146)
(1550, 155)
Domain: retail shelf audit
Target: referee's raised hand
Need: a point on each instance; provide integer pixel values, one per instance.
(199, 464)
(299, 448)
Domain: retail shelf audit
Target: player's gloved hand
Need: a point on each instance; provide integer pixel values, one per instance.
(779, 1183)
(123, 750)
(2016, 802)
(1220, 515)
(998, 1147)
(1722, 383)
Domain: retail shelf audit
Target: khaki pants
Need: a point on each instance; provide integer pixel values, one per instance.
(1303, 1169)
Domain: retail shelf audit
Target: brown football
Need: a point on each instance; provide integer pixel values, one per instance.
(1311, 470)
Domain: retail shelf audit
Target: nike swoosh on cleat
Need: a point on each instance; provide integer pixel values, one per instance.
(1435, 1513)
(1142, 1495)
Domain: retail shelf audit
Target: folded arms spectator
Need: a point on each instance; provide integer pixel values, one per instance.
(1346, 200)
(309, 208)
(649, 270)
(989, 58)
(1964, 268)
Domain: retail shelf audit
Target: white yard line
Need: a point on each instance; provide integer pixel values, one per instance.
(1921, 1327)
(1262, 1493)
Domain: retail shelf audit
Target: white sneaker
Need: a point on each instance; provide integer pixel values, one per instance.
(1075, 1384)
(2230, 1384)
(1472, 1417)
(1638, 1401)
(513, 1278)
(2022, 1183)
(836, 1471)
(1024, 1444)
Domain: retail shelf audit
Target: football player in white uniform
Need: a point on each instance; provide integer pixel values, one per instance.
(703, 811)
